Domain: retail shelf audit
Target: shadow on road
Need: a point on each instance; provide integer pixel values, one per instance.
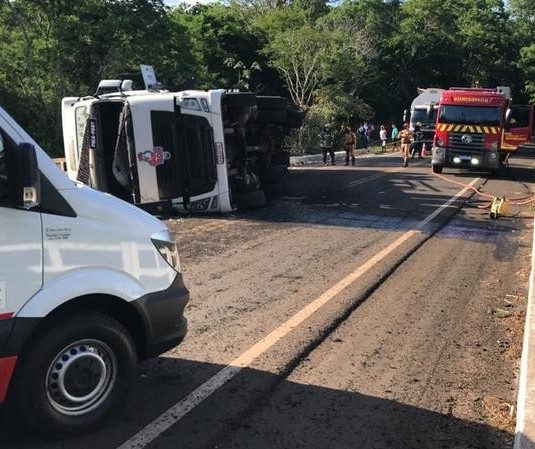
(260, 410)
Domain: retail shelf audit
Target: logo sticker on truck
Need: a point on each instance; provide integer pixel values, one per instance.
(156, 156)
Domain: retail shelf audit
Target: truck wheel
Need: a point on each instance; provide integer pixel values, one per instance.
(436, 168)
(74, 374)
(270, 102)
(281, 158)
(273, 173)
(271, 116)
(250, 200)
(497, 172)
(275, 187)
(239, 100)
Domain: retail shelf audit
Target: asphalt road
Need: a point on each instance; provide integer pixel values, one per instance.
(359, 310)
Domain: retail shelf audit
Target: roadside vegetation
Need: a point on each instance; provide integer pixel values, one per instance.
(343, 62)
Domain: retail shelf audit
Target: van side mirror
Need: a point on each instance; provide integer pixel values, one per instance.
(24, 176)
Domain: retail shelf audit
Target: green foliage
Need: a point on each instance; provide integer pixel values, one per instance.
(342, 61)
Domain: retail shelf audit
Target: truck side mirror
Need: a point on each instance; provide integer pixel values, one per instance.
(24, 176)
(430, 110)
(406, 116)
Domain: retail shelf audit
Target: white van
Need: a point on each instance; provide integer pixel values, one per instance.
(89, 285)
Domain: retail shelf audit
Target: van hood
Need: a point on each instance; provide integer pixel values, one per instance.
(103, 207)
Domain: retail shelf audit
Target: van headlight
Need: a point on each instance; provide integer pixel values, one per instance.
(167, 248)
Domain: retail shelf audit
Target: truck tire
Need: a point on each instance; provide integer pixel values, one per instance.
(271, 116)
(273, 179)
(239, 100)
(281, 158)
(73, 374)
(273, 173)
(436, 168)
(249, 200)
(276, 187)
(266, 102)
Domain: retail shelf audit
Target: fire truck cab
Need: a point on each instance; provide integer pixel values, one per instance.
(477, 128)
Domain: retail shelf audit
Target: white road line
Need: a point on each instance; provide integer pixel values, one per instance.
(525, 404)
(180, 409)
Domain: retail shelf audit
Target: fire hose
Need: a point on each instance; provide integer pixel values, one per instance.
(499, 206)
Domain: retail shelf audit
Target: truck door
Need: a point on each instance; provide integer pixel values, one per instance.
(74, 116)
(21, 247)
(518, 127)
(187, 146)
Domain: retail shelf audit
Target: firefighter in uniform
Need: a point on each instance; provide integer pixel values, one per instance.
(405, 136)
(326, 144)
(350, 139)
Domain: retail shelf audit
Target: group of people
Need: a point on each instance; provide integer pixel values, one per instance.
(411, 141)
(350, 142)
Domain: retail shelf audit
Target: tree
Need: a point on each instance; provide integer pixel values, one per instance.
(300, 56)
(220, 33)
(244, 72)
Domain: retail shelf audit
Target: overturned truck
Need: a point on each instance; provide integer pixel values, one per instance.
(211, 151)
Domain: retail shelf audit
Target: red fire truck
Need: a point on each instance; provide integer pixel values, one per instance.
(478, 128)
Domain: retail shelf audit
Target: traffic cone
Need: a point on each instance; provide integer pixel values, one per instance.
(424, 150)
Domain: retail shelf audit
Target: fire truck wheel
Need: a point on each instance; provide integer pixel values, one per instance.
(74, 373)
(250, 200)
(437, 168)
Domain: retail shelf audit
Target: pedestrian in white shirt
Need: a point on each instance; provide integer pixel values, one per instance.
(383, 137)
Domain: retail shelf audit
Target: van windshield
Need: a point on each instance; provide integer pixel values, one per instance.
(470, 115)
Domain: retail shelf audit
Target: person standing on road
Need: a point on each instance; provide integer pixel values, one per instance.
(368, 128)
(350, 139)
(394, 136)
(405, 136)
(383, 137)
(417, 141)
(361, 133)
(326, 144)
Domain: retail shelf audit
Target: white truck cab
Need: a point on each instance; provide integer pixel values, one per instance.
(210, 151)
(89, 286)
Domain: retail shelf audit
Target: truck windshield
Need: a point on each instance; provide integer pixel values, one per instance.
(469, 115)
(420, 116)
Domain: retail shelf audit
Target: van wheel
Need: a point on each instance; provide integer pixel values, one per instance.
(74, 374)
(436, 168)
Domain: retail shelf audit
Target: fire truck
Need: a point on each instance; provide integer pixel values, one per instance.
(478, 128)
